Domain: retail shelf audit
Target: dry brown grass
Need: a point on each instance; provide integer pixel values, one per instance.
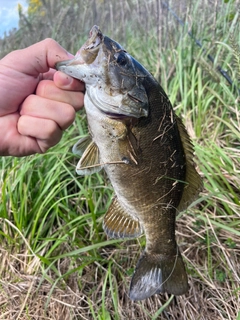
(24, 294)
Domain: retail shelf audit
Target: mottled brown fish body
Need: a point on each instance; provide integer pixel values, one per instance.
(144, 148)
(149, 185)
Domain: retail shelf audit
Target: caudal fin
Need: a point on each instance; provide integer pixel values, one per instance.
(157, 273)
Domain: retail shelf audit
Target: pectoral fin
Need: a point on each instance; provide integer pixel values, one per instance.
(89, 152)
(81, 145)
(119, 224)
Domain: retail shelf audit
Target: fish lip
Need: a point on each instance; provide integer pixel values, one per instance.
(117, 116)
(77, 60)
(120, 116)
(63, 63)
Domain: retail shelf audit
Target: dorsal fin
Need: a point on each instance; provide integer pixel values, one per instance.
(194, 182)
(90, 160)
(118, 223)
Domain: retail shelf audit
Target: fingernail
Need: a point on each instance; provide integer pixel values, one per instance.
(65, 79)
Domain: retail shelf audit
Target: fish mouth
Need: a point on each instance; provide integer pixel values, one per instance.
(95, 38)
(117, 116)
(87, 54)
(117, 113)
(89, 51)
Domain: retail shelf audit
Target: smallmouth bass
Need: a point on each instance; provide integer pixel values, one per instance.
(146, 152)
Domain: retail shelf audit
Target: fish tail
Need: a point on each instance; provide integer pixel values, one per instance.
(158, 273)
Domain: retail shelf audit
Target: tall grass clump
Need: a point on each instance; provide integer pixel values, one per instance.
(56, 262)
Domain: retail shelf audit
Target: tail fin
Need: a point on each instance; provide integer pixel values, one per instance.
(157, 273)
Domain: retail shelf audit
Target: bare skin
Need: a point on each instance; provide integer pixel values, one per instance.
(36, 102)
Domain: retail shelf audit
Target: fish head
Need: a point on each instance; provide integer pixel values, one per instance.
(114, 80)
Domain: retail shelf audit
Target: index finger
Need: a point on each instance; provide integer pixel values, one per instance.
(49, 74)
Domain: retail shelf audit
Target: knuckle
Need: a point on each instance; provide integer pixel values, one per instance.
(27, 104)
(51, 130)
(69, 115)
(43, 88)
(50, 137)
(50, 42)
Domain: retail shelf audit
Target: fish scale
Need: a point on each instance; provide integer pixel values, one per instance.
(147, 154)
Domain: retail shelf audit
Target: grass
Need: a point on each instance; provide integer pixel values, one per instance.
(56, 262)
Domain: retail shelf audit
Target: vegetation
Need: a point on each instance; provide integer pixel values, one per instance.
(56, 262)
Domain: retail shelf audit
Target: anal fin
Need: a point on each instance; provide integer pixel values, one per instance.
(120, 224)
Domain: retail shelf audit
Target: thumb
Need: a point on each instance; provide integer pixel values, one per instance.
(36, 59)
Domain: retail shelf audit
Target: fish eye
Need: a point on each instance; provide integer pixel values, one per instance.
(121, 58)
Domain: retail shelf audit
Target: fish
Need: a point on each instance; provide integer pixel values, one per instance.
(136, 137)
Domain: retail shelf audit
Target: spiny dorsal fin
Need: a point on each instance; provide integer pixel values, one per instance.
(119, 224)
(193, 179)
(90, 161)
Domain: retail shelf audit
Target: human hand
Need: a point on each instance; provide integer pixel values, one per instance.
(36, 102)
